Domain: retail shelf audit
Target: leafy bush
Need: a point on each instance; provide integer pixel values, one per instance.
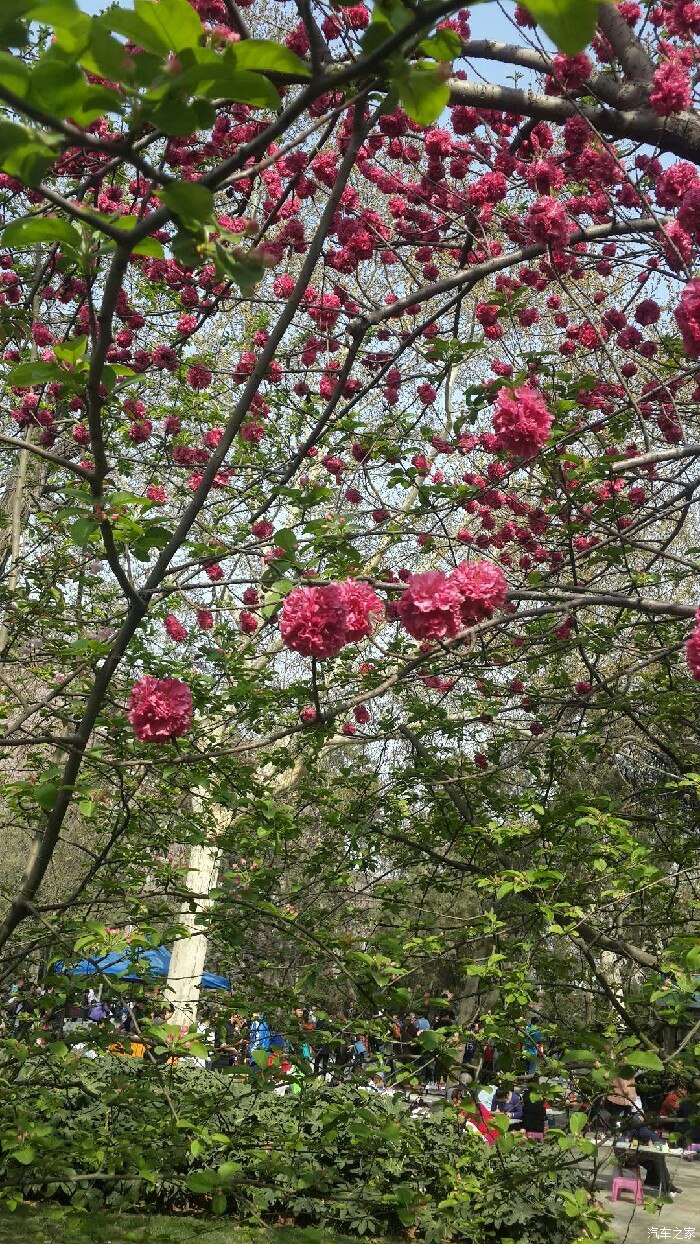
(118, 1133)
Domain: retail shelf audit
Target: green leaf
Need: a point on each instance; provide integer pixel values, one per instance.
(245, 272)
(14, 74)
(97, 100)
(23, 234)
(443, 45)
(13, 33)
(245, 87)
(106, 55)
(23, 154)
(179, 119)
(644, 1058)
(174, 21)
(56, 86)
(577, 1122)
(25, 1155)
(151, 247)
(286, 540)
(423, 92)
(191, 202)
(33, 373)
(228, 1170)
(201, 1181)
(579, 1056)
(45, 794)
(82, 531)
(571, 24)
(132, 26)
(266, 56)
(71, 350)
(218, 1204)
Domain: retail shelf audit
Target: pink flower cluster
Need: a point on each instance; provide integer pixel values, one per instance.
(670, 88)
(692, 649)
(521, 421)
(160, 709)
(548, 222)
(439, 606)
(687, 315)
(319, 621)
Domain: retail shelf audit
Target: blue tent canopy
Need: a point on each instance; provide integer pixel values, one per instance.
(151, 963)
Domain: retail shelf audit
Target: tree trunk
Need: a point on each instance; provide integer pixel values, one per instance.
(190, 952)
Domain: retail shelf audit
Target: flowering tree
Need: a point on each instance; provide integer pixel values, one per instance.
(349, 432)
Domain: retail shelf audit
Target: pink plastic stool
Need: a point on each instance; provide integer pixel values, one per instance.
(535, 1135)
(627, 1184)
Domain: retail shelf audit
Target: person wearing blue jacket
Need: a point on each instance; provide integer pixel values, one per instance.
(259, 1037)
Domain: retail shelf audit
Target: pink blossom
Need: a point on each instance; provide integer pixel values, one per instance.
(205, 619)
(325, 311)
(262, 529)
(692, 649)
(521, 421)
(308, 714)
(430, 606)
(689, 210)
(547, 222)
(198, 376)
(177, 632)
(41, 334)
(160, 709)
(80, 434)
(647, 312)
(349, 728)
(251, 597)
(674, 183)
(687, 315)
(572, 71)
(363, 608)
(157, 494)
(670, 88)
(362, 714)
(313, 621)
(482, 587)
(248, 623)
(140, 431)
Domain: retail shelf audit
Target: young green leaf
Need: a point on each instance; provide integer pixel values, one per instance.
(571, 24)
(27, 233)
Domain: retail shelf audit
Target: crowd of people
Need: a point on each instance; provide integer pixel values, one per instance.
(391, 1051)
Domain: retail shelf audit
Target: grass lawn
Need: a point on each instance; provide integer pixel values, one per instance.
(46, 1226)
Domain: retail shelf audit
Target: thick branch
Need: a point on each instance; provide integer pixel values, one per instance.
(657, 455)
(56, 459)
(679, 134)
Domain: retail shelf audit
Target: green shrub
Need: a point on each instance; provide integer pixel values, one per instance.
(117, 1133)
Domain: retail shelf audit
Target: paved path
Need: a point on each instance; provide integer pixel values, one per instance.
(678, 1219)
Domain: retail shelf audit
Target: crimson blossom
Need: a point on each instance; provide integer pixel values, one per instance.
(160, 709)
(313, 621)
(687, 315)
(521, 421)
(692, 649)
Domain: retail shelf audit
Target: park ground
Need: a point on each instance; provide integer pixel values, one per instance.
(636, 1225)
(678, 1219)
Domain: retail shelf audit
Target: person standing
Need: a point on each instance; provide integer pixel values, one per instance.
(532, 1046)
(259, 1037)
